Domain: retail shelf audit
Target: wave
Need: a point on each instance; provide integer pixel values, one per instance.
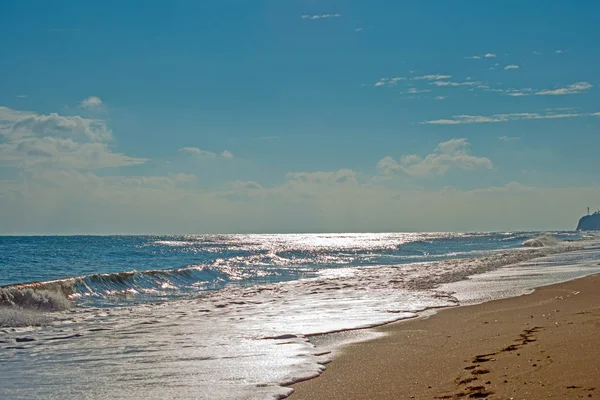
(43, 299)
(542, 241)
(112, 289)
(58, 295)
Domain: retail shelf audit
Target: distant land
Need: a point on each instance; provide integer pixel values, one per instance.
(589, 222)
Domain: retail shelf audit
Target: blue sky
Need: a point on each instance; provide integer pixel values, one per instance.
(261, 116)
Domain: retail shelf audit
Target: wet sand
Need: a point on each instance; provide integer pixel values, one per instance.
(538, 346)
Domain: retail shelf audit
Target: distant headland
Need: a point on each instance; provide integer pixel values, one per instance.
(590, 222)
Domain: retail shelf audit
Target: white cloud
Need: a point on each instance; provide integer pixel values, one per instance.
(431, 77)
(596, 114)
(537, 53)
(226, 154)
(508, 138)
(92, 103)
(389, 81)
(415, 91)
(199, 153)
(449, 155)
(473, 57)
(246, 185)
(21, 96)
(53, 141)
(358, 29)
(440, 97)
(14, 123)
(320, 16)
(518, 92)
(453, 84)
(490, 55)
(496, 118)
(559, 51)
(511, 66)
(575, 88)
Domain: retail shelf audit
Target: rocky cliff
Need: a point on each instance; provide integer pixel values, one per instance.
(589, 222)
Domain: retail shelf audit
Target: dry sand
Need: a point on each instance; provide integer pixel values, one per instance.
(539, 346)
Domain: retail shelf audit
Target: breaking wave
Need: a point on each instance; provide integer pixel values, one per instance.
(27, 306)
(542, 241)
(59, 294)
(43, 299)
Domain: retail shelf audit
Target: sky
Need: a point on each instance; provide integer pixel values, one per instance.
(297, 116)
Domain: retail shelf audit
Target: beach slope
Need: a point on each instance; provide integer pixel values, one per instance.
(538, 346)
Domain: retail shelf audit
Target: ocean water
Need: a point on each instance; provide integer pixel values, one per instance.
(235, 316)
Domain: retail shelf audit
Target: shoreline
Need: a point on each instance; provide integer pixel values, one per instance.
(535, 345)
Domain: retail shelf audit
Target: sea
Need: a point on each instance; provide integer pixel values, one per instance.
(239, 316)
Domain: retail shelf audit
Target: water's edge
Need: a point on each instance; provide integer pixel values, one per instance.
(333, 343)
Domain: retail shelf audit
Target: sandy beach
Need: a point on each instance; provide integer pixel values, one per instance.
(537, 346)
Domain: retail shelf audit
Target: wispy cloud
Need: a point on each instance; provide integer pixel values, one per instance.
(92, 103)
(508, 138)
(516, 92)
(434, 77)
(452, 84)
(389, 81)
(320, 16)
(512, 66)
(440, 97)
(359, 29)
(449, 155)
(496, 118)
(559, 51)
(196, 151)
(574, 88)
(21, 96)
(415, 91)
(537, 53)
(246, 185)
(199, 153)
(486, 55)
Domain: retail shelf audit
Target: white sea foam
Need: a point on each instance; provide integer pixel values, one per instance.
(34, 298)
(18, 317)
(542, 241)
